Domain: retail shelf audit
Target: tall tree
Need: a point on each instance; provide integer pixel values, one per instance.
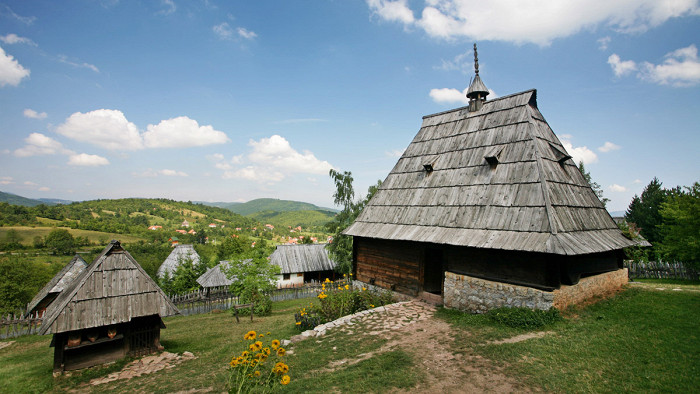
(60, 241)
(644, 210)
(681, 226)
(340, 249)
(594, 185)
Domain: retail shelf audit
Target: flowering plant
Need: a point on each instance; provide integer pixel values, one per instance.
(251, 368)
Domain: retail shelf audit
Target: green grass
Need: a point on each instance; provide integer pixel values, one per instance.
(642, 340)
(27, 234)
(668, 281)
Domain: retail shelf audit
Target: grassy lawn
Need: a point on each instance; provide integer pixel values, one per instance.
(642, 340)
(28, 233)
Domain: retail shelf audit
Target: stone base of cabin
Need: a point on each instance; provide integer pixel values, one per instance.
(397, 296)
(476, 295)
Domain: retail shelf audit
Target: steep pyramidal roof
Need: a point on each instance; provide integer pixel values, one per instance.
(59, 282)
(216, 277)
(499, 178)
(176, 257)
(302, 258)
(112, 289)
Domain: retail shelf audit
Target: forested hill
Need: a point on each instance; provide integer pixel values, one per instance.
(19, 200)
(271, 205)
(122, 216)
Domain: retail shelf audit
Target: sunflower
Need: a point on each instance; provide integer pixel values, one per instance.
(275, 344)
(281, 352)
(245, 353)
(285, 380)
(250, 335)
(257, 345)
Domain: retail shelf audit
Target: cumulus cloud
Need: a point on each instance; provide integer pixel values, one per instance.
(105, 128)
(603, 43)
(151, 173)
(44, 189)
(31, 114)
(11, 72)
(181, 132)
(608, 146)
(256, 174)
(617, 188)
(6, 180)
(454, 96)
(38, 144)
(579, 153)
(619, 67)
(278, 153)
(394, 153)
(12, 39)
(86, 160)
(223, 30)
(530, 22)
(245, 33)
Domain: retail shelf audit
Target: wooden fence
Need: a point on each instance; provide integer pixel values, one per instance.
(660, 270)
(13, 326)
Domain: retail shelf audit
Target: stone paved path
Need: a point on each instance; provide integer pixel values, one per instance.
(144, 366)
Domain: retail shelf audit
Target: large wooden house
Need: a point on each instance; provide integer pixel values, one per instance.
(112, 309)
(486, 203)
(60, 281)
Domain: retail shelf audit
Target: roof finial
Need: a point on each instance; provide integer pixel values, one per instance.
(477, 91)
(476, 61)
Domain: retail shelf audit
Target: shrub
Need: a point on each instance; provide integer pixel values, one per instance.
(259, 366)
(524, 317)
(262, 302)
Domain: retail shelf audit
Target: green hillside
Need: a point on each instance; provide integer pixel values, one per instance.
(19, 200)
(275, 205)
(304, 219)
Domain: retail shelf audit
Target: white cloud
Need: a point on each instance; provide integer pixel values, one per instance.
(393, 11)
(255, 173)
(169, 7)
(537, 22)
(151, 173)
(12, 39)
(64, 59)
(394, 153)
(44, 189)
(182, 132)
(245, 33)
(603, 43)
(462, 62)
(27, 20)
(608, 146)
(11, 72)
(39, 144)
(31, 114)
(29, 183)
(85, 160)
(276, 152)
(223, 30)
(637, 181)
(300, 120)
(680, 69)
(105, 128)
(617, 188)
(579, 153)
(454, 96)
(621, 68)
(6, 180)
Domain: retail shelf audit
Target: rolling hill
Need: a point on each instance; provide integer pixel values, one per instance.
(19, 200)
(269, 205)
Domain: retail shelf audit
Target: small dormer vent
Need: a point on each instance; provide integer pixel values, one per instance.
(492, 157)
(559, 155)
(428, 167)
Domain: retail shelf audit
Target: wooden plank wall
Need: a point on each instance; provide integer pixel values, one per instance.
(389, 264)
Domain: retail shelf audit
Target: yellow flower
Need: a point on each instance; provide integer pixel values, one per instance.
(347, 287)
(251, 347)
(327, 280)
(298, 323)
(244, 354)
(350, 274)
(275, 343)
(268, 333)
(258, 345)
(250, 335)
(261, 335)
(266, 351)
(280, 368)
(256, 373)
(285, 380)
(281, 352)
(322, 295)
(363, 289)
(371, 306)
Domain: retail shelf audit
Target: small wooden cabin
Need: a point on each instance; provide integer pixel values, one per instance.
(111, 310)
(301, 264)
(216, 279)
(180, 254)
(488, 192)
(56, 285)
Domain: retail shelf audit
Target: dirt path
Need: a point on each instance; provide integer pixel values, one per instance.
(412, 327)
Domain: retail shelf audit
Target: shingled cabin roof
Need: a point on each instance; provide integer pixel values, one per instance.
(176, 257)
(59, 282)
(495, 178)
(216, 276)
(302, 258)
(112, 289)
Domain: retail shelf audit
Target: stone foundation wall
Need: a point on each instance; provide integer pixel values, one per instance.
(592, 286)
(476, 295)
(397, 296)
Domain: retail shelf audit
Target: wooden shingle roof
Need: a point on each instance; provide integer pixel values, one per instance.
(302, 258)
(59, 282)
(527, 196)
(216, 277)
(180, 254)
(112, 289)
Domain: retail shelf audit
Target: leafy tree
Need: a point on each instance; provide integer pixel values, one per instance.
(184, 278)
(252, 280)
(597, 189)
(644, 211)
(231, 247)
(20, 280)
(60, 241)
(681, 226)
(340, 249)
(12, 240)
(38, 242)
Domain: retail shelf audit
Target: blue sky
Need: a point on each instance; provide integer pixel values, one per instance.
(231, 101)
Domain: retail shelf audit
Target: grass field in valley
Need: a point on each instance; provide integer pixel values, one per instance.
(642, 340)
(27, 234)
